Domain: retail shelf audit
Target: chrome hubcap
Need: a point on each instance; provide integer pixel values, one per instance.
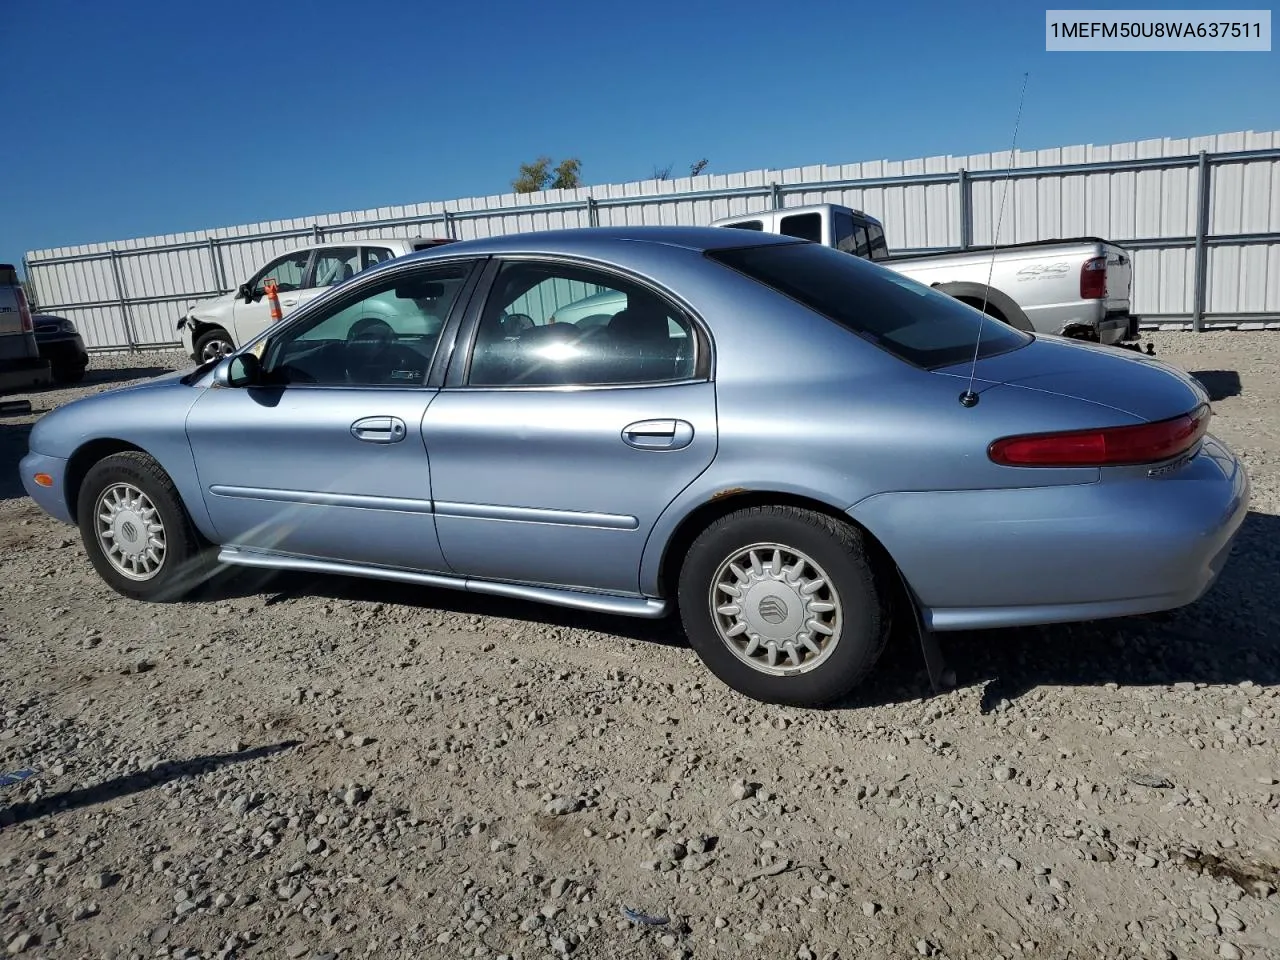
(216, 349)
(130, 531)
(776, 609)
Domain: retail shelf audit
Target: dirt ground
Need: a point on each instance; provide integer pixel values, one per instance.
(313, 767)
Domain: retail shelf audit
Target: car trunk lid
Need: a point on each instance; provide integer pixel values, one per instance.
(1122, 380)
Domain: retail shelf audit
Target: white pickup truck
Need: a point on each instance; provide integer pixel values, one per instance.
(1076, 288)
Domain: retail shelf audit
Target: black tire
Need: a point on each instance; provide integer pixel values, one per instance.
(207, 337)
(840, 550)
(188, 559)
(68, 374)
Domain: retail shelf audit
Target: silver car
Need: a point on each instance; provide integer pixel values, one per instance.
(820, 444)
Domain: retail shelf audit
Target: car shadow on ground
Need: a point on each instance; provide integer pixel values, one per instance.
(281, 586)
(1219, 384)
(1231, 635)
(122, 786)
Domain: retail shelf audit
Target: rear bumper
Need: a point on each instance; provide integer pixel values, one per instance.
(1123, 545)
(66, 351)
(52, 500)
(1115, 327)
(24, 374)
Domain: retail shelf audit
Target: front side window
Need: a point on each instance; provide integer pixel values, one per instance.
(908, 319)
(289, 272)
(335, 264)
(385, 336)
(565, 325)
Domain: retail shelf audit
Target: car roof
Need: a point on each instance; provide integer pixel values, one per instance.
(585, 240)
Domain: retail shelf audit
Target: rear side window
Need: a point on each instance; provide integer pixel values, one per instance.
(908, 319)
(805, 226)
(372, 256)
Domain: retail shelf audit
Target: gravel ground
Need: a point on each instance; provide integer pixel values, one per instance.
(303, 767)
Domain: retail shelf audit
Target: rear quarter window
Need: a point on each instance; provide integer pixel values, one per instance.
(913, 322)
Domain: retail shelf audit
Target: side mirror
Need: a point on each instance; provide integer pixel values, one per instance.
(238, 370)
(245, 292)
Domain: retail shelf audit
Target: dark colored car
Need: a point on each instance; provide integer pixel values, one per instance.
(60, 343)
(21, 366)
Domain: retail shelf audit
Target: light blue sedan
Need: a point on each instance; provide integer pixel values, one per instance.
(787, 444)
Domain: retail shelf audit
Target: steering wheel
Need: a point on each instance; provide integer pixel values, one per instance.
(367, 340)
(514, 323)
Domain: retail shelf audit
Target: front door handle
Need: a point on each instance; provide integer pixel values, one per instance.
(379, 429)
(658, 434)
(289, 303)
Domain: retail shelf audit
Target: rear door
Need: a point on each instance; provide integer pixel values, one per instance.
(555, 448)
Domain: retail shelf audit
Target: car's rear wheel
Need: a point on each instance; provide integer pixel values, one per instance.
(784, 605)
(137, 531)
(212, 344)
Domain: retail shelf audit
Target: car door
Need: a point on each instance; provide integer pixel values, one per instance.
(324, 456)
(291, 273)
(555, 449)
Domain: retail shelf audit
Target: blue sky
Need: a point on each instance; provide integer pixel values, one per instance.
(135, 118)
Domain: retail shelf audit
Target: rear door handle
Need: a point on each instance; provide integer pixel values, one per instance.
(658, 434)
(379, 429)
(289, 303)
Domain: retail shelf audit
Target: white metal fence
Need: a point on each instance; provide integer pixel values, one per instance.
(1201, 215)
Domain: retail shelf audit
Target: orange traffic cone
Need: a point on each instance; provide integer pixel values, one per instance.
(273, 296)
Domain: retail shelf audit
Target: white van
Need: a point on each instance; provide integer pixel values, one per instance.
(216, 327)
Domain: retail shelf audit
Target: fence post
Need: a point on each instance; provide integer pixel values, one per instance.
(215, 258)
(448, 226)
(775, 195)
(123, 300)
(966, 208)
(1204, 189)
(317, 232)
(33, 301)
(593, 213)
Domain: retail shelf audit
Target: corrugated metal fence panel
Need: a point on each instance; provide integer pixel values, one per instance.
(1146, 204)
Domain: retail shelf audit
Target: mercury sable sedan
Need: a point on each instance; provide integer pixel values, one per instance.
(779, 441)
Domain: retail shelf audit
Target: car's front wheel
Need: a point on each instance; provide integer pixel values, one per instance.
(137, 531)
(784, 605)
(213, 344)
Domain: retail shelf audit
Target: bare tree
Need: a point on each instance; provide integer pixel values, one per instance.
(697, 167)
(662, 173)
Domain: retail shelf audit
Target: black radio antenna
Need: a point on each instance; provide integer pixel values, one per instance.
(969, 398)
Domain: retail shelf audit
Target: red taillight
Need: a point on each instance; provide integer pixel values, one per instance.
(1106, 446)
(24, 311)
(1093, 279)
